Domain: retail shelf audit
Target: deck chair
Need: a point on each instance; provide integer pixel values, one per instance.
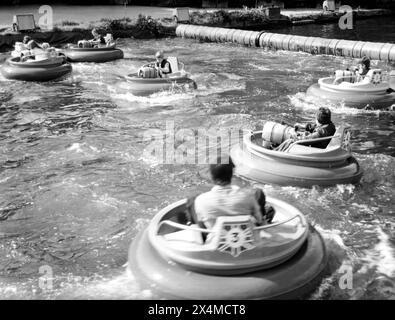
(24, 22)
(176, 67)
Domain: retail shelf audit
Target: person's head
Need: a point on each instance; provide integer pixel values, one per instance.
(159, 56)
(323, 115)
(364, 63)
(26, 39)
(222, 173)
(45, 45)
(109, 38)
(95, 33)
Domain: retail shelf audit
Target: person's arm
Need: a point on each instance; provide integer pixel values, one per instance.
(309, 127)
(166, 68)
(315, 134)
(259, 206)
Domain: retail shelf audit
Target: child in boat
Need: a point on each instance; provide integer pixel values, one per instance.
(97, 37)
(162, 65)
(362, 68)
(36, 51)
(29, 42)
(225, 199)
(109, 40)
(323, 127)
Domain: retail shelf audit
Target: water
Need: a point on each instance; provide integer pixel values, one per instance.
(377, 30)
(76, 185)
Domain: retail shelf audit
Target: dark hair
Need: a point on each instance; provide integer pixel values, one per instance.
(366, 61)
(324, 115)
(26, 39)
(222, 173)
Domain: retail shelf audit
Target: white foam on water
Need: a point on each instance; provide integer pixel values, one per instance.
(382, 256)
(230, 76)
(259, 67)
(106, 200)
(123, 286)
(333, 235)
(177, 95)
(75, 147)
(301, 100)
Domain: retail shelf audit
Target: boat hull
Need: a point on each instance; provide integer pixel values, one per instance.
(358, 100)
(93, 54)
(34, 71)
(293, 279)
(265, 169)
(148, 86)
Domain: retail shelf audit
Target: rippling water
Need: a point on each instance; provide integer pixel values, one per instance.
(76, 186)
(381, 30)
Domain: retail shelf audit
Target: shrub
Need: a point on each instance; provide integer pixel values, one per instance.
(115, 24)
(146, 23)
(69, 23)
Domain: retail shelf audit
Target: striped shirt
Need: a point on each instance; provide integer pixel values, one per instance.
(227, 200)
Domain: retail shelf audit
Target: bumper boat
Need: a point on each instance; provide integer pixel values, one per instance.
(35, 70)
(300, 164)
(238, 260)
(101, 54)
(370, 93)
(147, 80)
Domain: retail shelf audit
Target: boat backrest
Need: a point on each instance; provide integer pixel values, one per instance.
(175, 65)
(341, 139)
(233, 234)
(373, 76)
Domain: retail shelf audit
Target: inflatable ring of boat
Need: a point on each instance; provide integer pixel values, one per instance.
(101, 54)
(147, 86)
(300, 165)
(373, 96)
(42, 70)
(282, 260)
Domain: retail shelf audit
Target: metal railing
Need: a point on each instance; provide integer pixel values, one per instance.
(257, 228)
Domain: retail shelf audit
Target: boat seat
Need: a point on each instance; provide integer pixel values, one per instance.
(373, 76)
(188, 236)
(340, 139)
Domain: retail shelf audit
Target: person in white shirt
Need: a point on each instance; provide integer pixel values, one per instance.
(225, 199)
